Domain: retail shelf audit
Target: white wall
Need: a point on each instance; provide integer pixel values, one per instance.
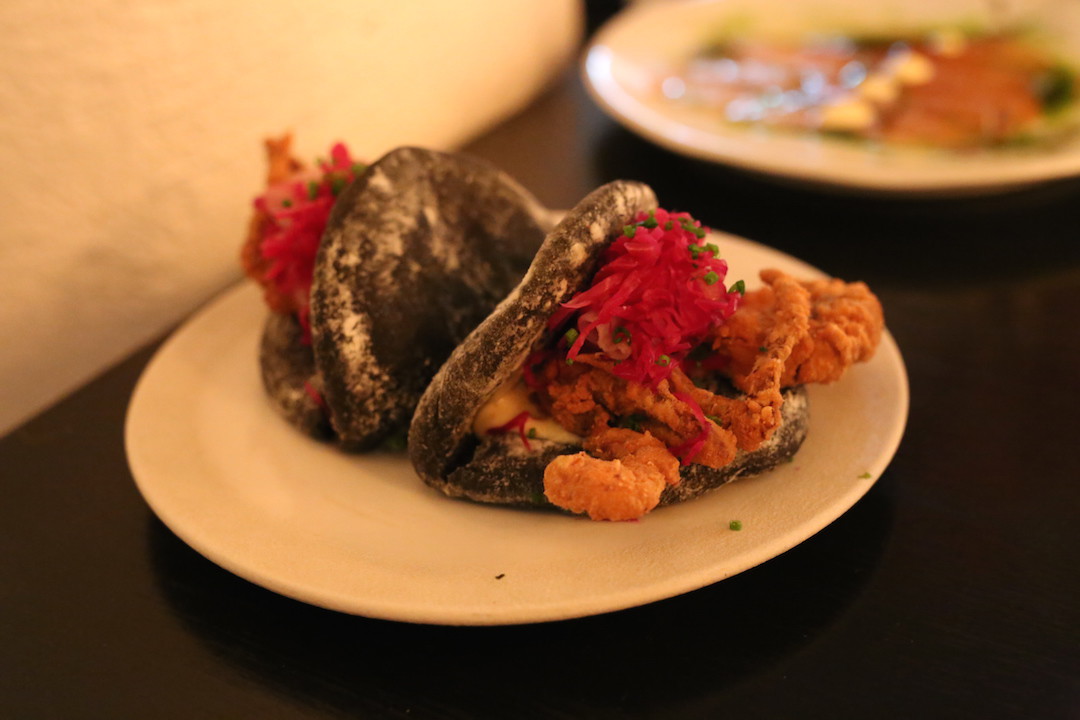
(130, 143)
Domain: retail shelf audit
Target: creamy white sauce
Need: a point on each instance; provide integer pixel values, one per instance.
(949, 42)
(909, 68)
(879, 89)
(848, 114)
(510, 400)
(860, 109)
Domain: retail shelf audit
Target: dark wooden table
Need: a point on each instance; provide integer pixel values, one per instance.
(951, 590)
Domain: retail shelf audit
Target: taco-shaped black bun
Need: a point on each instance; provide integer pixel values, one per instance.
(287, 366)
(440, 436)
(417, 251)
(498, 468)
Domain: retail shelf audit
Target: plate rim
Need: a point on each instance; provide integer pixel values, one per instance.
(944, 176)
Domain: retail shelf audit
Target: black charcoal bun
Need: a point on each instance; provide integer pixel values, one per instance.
(440, 438)
(288, 373)
(417, 251)
(497, 468)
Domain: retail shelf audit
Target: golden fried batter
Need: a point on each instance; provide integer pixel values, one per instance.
(619, 477)
(830, 325)
(586, 397)
(788, 332)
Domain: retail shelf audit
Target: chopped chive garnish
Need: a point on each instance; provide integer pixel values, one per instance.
(571, 335)
(531, 434)
(735, 525)
(762, 348)
(286, 203)
(714, 418)
(689, 226)
(664, 360)
(739, 287)
(711, 247)
(668, 225)
(865, 476)
(337, 185)
(651, 221)
(628, 231)
(569, 361)
(620, 335)
(312, 190)
(358, 168)
(711, 278)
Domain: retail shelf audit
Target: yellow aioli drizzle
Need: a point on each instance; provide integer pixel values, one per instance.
(510, 400)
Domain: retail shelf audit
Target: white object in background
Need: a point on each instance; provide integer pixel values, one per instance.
(131, 143)
(627, 59)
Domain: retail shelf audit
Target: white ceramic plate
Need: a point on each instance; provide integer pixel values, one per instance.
(363, 535)
(626, 55)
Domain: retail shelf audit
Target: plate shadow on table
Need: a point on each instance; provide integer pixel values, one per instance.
(677, 655)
